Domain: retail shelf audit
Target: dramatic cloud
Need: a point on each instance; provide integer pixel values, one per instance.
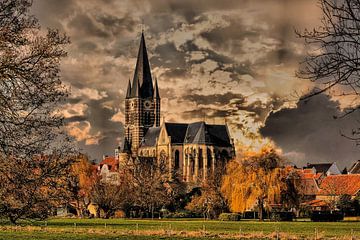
(312, 132)
(231, 60)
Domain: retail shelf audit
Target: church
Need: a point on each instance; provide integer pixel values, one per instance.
(193, 150)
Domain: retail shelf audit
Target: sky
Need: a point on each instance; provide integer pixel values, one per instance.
(230, 61)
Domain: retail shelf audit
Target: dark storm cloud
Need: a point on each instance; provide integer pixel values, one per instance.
(168, 56)
(219, 99)
(87, 46)
(206, 114)
(85, 26)
(312, 130)
(226, 38)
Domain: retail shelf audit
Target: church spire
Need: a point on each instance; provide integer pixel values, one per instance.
(128, 91)
(142, 74)
(156, 91)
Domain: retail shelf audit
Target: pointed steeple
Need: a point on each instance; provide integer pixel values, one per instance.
(128, 91)
(142, 74)
(156, 90)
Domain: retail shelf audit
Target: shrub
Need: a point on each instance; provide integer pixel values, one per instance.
(182, 214)
(229, 217)
(281, 216)
(326, 216)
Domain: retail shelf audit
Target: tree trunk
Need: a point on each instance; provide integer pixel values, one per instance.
(260, 209)
(152, 212)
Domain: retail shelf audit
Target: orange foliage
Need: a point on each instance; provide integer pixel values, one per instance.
(256, 178)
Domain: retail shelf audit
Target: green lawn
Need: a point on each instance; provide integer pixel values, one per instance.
(175, 229)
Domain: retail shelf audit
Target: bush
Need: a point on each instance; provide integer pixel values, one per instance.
(251, 215)
(182, 214)
(281, 216)
(229, 217)
(326, 216)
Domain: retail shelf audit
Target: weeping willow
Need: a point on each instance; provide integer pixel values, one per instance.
(254, 180)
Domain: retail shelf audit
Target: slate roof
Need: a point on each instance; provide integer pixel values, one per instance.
(177, 131)
(142, 82)
(196, 133)
(340, 184)
(150, 137)
(320, 167)
(355, 169)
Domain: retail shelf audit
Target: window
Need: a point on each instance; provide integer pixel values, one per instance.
(177, 160)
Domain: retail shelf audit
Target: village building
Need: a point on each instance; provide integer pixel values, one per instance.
(193, 150)
(332, 187)
(108, 169)
(355, 168)
(324, 168)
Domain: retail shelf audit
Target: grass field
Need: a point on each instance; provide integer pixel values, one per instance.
(77, 229)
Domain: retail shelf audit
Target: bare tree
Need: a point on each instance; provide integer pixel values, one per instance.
(211, 202)
(333, 58)
(152, 184)
(34, 152)
(111, 197)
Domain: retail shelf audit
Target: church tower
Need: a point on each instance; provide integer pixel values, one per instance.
(142, 103)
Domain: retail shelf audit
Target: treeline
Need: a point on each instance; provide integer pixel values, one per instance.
(258, 180)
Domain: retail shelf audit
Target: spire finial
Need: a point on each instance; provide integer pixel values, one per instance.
(142, 25)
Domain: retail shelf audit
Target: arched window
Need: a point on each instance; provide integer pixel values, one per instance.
(177, 160)
(201, 159)
(224, 155)
(209, 157)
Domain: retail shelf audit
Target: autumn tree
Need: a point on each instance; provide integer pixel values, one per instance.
(332, 61)
(80, 183)
(292, 191)
(111, 197)
(254, 180)
(35, 154)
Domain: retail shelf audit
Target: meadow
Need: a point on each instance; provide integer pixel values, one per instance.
(77, 229)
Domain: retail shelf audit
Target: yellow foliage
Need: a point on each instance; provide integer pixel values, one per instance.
(254, 179)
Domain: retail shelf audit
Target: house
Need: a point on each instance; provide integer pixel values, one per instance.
(108, 169)
(333, 186)
(355, 169)
(325, 168)
(309, 183)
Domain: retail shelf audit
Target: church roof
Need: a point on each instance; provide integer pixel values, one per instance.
(128, 91)
(156, 93)
(196, 133)
(150, 137)
(177, 131)
(202, 133)
(142, 82)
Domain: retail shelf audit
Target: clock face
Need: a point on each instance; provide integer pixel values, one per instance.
(147, 104)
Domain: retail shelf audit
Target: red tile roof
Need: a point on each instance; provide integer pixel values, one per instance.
(340, 184)
(111, 162)
(315, 203)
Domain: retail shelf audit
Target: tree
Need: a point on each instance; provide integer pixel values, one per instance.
(254, 180)
(153, 186)
(211, 202)
(80, 183)
(333, 60)
(345, 204)
(292, 192)
(111, 197)
(35, 154)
